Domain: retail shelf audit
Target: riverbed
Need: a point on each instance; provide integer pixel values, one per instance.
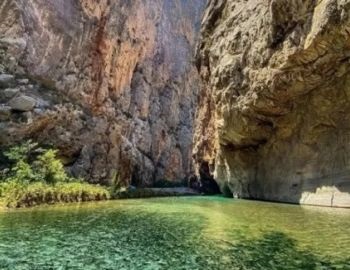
(175, 233)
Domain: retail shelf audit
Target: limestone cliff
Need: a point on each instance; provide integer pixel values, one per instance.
(112, 84)
(274, 110)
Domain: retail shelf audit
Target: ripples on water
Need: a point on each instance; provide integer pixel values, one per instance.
(175, 233)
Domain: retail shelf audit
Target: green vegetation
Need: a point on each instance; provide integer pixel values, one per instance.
(36, 176)
(19, 195)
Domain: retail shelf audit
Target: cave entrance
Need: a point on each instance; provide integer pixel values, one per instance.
(207, 181)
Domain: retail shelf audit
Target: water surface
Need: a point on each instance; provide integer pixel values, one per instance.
(175, 233)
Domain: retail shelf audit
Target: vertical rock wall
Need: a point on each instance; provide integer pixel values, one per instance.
(274, 110)
(114, 83)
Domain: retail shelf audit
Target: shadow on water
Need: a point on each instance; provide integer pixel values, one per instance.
(276, 250)
(142, 239)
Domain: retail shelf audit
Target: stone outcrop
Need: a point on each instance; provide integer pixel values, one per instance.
(114, 82)
(274, 110)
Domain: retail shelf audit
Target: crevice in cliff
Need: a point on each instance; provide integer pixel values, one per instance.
(98, 62)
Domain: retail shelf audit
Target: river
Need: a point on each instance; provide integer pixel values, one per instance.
(175, 233)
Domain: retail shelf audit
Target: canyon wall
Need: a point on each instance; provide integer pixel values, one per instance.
(111, 84)
(114, 86)
(274, 110)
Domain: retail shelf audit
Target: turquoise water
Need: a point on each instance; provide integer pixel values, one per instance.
(175, 233)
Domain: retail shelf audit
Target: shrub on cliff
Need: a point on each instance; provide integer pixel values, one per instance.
(36, 176)
(20, 170)
(29, 163)
(18, 195)
(50, 169)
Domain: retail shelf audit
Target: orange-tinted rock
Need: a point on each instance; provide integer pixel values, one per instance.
(127, 68)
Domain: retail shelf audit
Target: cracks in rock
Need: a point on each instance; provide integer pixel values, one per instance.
(99, 54)
(280, 32)
(242, 147)
(215, 8)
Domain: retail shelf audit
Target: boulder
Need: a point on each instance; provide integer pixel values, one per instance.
(23, 81)
(22, 103)
(6, 80)
(11, 92)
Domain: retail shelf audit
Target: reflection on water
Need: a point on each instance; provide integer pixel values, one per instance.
(176, 233)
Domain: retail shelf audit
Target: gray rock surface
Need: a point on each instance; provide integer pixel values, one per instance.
(11, 92)
(6, 80)
(5, 112)
(23, 81)
(22, 103)
(274, 111)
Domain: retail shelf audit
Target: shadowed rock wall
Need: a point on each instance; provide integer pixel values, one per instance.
(274, 111)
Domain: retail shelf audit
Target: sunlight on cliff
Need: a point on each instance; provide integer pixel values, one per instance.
(326, 196)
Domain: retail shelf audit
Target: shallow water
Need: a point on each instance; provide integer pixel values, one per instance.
(175, 233)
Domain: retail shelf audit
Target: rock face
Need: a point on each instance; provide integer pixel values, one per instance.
(274, 110)
(113, 85)
(114, 82)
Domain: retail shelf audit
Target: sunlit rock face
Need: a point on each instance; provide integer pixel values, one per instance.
(114, 82)
(274, 112)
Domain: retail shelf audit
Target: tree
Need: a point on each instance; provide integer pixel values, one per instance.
(50, 169)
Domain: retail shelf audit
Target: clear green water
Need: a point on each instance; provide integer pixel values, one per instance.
(175, 233)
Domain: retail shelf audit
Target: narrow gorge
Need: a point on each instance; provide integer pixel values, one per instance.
(253, 94)
(174, 134)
